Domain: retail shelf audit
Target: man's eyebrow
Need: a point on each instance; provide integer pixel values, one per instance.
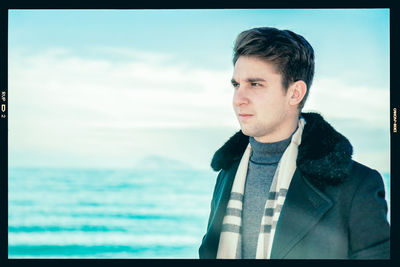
(252, 80)
(249, 80)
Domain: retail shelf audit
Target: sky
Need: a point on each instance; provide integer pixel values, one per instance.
(116, 88)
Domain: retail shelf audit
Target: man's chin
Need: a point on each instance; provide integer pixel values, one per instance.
(246, 132)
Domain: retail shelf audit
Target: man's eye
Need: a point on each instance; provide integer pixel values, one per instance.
(235, 85)
(255, 84)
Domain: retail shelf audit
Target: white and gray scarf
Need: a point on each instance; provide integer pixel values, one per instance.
(230, 240)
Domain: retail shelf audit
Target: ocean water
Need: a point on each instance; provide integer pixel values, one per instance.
(84, 213)
(77, 213)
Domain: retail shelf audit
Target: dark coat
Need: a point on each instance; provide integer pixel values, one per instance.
(335, 207)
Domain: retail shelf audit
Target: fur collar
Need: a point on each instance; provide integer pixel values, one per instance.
(324, 154)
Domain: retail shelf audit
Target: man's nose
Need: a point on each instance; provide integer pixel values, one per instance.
(240, 97)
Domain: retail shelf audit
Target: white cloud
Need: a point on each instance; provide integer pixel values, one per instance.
(94, 108)
(132, 54)
(131, 93)
(338, 100)
(73, 110)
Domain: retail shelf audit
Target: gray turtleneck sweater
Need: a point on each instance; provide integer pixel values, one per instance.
(263, 162)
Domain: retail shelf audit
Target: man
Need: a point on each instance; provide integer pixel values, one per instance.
(288, 187)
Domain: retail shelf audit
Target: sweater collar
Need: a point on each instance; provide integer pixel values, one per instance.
(267, 153)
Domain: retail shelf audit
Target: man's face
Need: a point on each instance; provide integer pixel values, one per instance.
(259, 101)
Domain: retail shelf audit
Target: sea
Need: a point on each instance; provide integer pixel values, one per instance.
(109, 213)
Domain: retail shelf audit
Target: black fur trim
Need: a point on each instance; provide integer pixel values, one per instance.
(324, 154)
(230, 151)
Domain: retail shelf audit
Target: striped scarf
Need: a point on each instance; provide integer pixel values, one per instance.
(230, 240)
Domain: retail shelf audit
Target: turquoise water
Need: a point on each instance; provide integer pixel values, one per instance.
(78, 213)
(59, 213)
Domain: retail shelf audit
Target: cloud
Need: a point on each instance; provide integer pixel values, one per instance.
(127, 93)
(124, 104)
(148, 89)
(341, 101)
(66, 109)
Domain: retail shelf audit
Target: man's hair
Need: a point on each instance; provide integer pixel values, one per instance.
(289, 52)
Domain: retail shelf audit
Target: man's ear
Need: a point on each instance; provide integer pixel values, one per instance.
(297, 92)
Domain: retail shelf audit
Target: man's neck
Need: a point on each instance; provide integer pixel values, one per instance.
(285, 132)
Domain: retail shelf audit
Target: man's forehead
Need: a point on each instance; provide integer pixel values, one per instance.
(253, 68)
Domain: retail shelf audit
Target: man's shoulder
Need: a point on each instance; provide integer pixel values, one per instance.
(361, 172)
(359, 176)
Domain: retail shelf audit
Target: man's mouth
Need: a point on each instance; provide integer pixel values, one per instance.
(244, 115)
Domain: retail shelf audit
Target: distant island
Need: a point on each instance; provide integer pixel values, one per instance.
(159, 162)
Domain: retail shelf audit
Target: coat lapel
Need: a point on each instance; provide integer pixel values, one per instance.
(224, 192)
(303, 208)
